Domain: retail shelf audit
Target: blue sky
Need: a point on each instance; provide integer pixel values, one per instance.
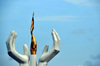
(76, 21)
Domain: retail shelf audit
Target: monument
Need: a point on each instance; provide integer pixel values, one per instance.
(23, 60)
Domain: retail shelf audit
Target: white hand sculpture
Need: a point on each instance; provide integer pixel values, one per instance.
(23, 60)
(48, 55)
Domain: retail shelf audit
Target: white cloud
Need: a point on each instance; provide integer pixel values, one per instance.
(84, 2)
(58, 18)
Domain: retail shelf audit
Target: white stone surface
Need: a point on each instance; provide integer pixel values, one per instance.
(23, 60)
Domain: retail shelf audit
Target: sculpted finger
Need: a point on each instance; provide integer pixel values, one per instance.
(9, 42)
(26, 50)
(45, 49)
(54, 36)
(57, 43)
(14, 38)
(58, 38)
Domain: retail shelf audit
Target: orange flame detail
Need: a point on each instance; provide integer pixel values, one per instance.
(33, 48)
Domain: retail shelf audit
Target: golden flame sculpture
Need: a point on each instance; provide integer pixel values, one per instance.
(33, 47)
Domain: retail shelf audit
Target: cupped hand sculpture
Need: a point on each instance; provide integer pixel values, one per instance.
(23, 60)
(48, 55)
